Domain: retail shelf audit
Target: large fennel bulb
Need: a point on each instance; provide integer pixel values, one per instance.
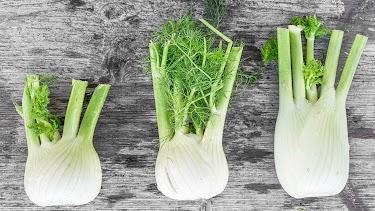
(192, 82)
(311, 137)
(66, 170)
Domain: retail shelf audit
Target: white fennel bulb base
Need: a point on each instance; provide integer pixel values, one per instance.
(185, 170)
(72, 176)
(312, 149)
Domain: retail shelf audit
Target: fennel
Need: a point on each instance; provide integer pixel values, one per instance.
(192, 80)
(311, 137)
(61, 170)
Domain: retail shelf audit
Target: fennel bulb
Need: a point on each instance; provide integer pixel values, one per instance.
(61, 170)
(192, 82)
(311, 136)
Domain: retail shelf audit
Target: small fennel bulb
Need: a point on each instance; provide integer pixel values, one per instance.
(311, 136)
(192, 82)
(61, 170)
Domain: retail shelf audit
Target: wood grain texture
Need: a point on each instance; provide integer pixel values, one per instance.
(106, 41)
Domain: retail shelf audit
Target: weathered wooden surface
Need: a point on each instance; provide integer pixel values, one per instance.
(106, 41)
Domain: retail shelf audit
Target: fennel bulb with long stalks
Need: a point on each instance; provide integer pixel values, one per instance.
(193, 76)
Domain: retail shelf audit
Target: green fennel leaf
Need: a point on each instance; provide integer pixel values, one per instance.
(46, 122)
(214, 11)
(313, 72)
(269, 50)
(192, 71)
(312, 27)
(245, 79)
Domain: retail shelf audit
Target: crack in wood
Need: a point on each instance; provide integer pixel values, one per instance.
(350, 198)
(262, 188)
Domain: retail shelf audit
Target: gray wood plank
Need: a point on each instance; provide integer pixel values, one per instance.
(106, 41)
